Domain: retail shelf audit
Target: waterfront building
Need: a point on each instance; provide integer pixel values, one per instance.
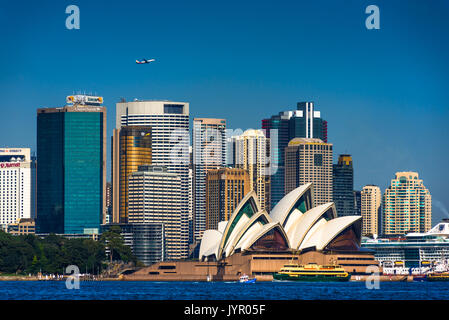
(146, 240)
(225, 188)
(407, 205)
(71, 175)
(305, 122)
(414, 250)
(155, 197)
(343, 185)
(131, 149)
(169, 122)
(371, 201)
(250, 153)
(209, 152)
(15, 185)
(309, 161)
(22, 227)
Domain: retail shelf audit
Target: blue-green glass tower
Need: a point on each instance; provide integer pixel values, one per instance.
(71, 171)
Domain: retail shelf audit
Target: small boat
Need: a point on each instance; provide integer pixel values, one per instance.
(419, 277)
(438, 276)
(245, 279)
(312, 272)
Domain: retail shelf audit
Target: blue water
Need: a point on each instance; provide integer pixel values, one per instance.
(126, 290)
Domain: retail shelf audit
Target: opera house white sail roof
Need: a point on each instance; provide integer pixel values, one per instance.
(293, 225)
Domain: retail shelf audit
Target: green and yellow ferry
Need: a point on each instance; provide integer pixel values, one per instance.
(438, 276)
(312, 272)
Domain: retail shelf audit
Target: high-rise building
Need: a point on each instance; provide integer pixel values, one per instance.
(357, 203)
(225, 188)
(343, 184)
(155, 197)
(209, 152)
(251, 152)
(371, 201)
(305, 122)
(71, 171)
(169, 122)
(309, 161)
(131, 149)
(15, 185)
(407, 205)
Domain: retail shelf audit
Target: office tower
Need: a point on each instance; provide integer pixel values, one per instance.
(155, 197)
(169, 122)
(309, 161)
(71, 175)
(225, 188)
(33, 185)
(191, 206)
(131, 149)
(15, 185)
(343, 184)
(371, 200)
(251, 152)
(357, 203)
(407, 205)
(305, 122)
(209, 152)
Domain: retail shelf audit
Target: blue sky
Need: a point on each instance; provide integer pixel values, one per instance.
(384, 92)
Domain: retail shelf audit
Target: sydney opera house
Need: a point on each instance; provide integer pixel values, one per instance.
(256, 243)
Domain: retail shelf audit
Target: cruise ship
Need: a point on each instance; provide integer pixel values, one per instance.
(312, 272)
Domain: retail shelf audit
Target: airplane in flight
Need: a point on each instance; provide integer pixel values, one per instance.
(144, 61)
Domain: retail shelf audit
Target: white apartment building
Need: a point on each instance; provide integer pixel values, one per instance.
(15, 185)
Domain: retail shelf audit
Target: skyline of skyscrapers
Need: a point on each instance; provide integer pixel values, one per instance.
(71, 171)
(156, 134)
(170, 130)
(304, 122)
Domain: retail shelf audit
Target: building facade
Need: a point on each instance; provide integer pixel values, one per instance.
(305, 122)
(131, 149)
(15, 185)
(209, 152)
(309, 161)
(169, 122)
(225, 188)
(343, 184)
(71, 175)
(407, 205)
(155, 197)
(251, 153)
(371, 201)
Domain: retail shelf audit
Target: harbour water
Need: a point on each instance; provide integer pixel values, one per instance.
(141, 290)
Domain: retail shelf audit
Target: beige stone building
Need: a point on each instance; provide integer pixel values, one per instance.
(250, 153)
(407, 205)
(309, 161)
(225, 188)
(371, 200)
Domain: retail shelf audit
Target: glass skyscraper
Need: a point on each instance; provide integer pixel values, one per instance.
(343, 184)
(71, 175)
